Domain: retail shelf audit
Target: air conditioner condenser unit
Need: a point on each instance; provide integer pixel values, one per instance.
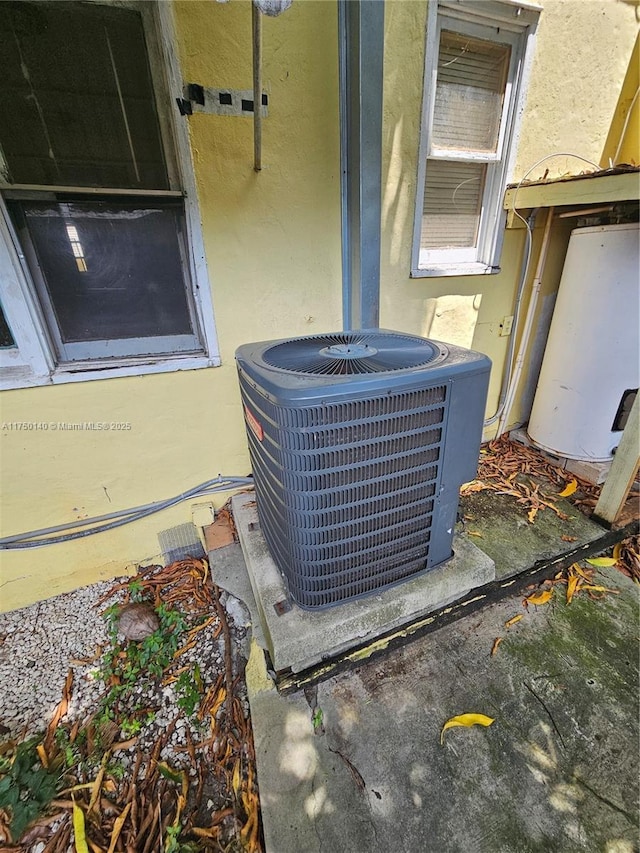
(359, 443)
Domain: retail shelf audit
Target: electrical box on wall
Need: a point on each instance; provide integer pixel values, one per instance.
(506, 327)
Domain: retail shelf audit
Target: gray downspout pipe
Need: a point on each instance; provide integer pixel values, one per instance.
(361, 48)
(256, 27)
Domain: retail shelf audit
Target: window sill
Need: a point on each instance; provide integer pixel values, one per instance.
(459, 269)
(13, 378)
(20, 376)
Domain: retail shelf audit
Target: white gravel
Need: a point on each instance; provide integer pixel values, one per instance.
(37, 645)
(40, 643)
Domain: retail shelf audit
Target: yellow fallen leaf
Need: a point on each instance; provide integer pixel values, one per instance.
(538, 598)
(513, 620)
(236, 780)
(117, 827)
(617, 551)
(600, 588)
(79, 834)
(569, 489)
(466, 720)
(587, 575)
(531, 515)
(214, 832)
(496, 643)
(220, 698)
(474, 533)
(603, 561)
(97, 784)
(184, 786)
(572, 586)
(42, 755)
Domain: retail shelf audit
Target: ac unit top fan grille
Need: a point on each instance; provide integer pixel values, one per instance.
(351, 353)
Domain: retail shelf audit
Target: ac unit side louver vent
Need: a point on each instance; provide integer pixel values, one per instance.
(359, 443)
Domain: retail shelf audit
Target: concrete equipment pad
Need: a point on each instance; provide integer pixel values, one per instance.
(298, 638)
(503, 532)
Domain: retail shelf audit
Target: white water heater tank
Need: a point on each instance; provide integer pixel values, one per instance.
(591, 364)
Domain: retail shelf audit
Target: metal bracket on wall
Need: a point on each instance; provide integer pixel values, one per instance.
(222, 102)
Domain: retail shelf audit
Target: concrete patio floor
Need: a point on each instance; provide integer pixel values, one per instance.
(557, 771)
(354, 763)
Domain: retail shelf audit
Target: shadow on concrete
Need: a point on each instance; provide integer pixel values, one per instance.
(557, 771)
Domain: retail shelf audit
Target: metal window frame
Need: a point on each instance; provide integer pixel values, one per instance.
(501, 21)
(36, 362)
(111, 347)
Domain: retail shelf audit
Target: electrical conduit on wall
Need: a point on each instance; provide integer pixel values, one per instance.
(45, 536)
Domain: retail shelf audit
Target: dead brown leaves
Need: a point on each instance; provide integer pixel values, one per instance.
(154, 802)
(184, 583)
(58, 714)
(627, 555)
(576, 578)
(509, 468)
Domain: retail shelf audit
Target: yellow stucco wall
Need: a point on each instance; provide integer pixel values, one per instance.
(273, 249)
(583, 52)
(570, 101)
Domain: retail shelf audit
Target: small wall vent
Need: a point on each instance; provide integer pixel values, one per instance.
(359, 443)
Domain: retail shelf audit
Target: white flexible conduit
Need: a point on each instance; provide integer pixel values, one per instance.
(45, 536)
(528, 324)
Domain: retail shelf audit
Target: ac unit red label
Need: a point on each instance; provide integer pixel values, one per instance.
(254, 424)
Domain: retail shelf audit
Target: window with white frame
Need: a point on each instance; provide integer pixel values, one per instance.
(476, 56)
(101, 256)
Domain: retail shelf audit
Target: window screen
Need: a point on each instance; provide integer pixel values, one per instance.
(111, 270)
(471, 79)
(452, 203)
(467, 111)
(6, 338)
(468, 102)
(77, 86)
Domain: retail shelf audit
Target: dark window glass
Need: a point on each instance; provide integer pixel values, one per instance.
(112, 270)
(76, 97)
(6, 338)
